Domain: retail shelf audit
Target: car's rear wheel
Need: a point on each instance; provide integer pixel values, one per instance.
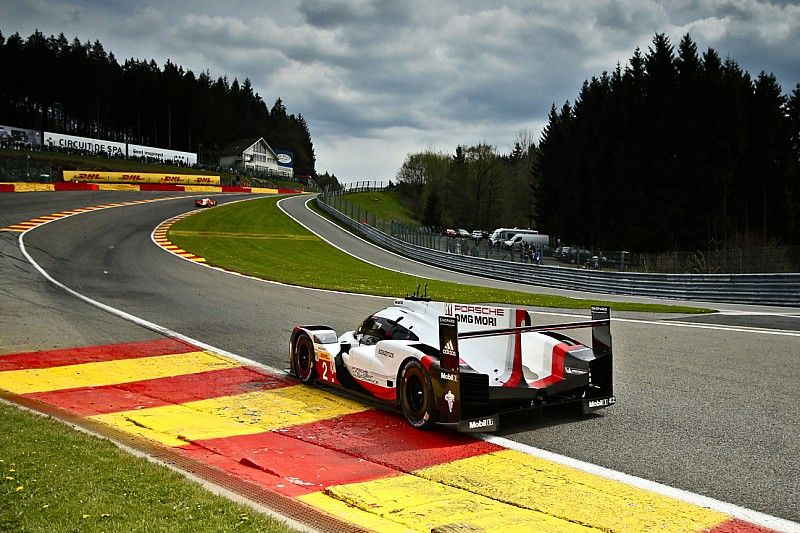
(303, 358)
(416, 396)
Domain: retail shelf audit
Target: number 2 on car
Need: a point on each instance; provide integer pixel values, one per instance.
(327, 371)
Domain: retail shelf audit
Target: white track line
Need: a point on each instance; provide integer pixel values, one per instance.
(735, 511)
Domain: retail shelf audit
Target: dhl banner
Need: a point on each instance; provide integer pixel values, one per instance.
(99, 176)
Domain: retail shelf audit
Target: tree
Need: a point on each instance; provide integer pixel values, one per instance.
(421, 172)
(432, 216)
(328, 181)
(793, 115)
(768, 159)
(138, 101)
(519, 193)
(674, 152)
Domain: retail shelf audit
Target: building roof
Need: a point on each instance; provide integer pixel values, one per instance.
(237, 147)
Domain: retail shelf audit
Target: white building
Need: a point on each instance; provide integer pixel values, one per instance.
(252, 154)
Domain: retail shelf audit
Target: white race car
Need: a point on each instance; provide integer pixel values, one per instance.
(460, 365)
(205, 202)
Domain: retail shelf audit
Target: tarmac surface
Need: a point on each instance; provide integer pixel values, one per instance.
(708, 404)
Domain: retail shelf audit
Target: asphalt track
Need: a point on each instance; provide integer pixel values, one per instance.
(711, 409)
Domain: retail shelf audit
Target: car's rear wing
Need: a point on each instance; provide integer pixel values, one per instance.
(600, 324)
(449, 393)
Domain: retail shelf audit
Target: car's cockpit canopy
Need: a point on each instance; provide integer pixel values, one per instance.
(380, 327)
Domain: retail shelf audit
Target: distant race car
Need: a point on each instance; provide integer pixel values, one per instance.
(205, 202)
(460, 365)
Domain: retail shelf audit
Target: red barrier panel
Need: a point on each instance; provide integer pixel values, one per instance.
(6, 187)
(288, 191)
(69, 186)
(160, 187)
(236, 189)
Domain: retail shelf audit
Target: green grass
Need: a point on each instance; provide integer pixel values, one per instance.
(53, 478)
(256, 238)
(386, 205)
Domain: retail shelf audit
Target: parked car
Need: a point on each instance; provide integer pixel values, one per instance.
(561, 253)
(595, 262)
(501, 235)
(477, 234)
(464, 233)
(450, 233)
(577, 256)
(531, 239)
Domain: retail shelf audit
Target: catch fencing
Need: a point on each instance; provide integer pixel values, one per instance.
(426, 246)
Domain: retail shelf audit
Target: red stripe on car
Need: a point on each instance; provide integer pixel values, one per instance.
(516, 379)
(556, 365)
(382, 393)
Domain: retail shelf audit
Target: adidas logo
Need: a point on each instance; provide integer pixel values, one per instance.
(449, 348)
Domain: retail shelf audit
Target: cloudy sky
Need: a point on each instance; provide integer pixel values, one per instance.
(377, 80)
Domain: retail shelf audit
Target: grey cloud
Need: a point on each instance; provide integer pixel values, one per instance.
(355, 14)
(363, 72)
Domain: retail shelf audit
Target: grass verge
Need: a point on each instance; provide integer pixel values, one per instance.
(53, 478)
(386, 205)
(257, 239)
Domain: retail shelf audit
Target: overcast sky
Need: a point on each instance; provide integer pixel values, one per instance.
(377, 80)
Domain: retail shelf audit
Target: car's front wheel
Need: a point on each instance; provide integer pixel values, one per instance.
(303, 358)
(416, 396)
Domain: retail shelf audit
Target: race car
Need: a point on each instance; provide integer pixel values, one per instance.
(460, 365)
(205, 202)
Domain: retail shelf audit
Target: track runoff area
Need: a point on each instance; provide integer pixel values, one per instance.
(310, 449)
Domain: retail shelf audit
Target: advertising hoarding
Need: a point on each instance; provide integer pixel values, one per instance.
(100, 176)
(93, 146)
(285, 158)
(10, 135)
(117, 149)
(161, 154)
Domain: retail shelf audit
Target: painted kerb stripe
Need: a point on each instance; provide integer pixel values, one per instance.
(495, 490)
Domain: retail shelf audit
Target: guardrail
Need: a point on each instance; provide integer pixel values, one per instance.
(766, 289)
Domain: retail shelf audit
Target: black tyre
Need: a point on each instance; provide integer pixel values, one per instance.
(416, 396)
(303, 359)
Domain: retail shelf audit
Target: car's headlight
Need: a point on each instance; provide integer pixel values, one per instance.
(326, 338)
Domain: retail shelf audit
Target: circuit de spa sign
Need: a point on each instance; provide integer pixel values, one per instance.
(93, 146)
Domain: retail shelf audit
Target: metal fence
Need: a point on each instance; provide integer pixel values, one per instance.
(734, 260)
(469, 256)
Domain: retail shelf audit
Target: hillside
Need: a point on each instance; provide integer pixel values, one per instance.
(31, 165)
(139, 101)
